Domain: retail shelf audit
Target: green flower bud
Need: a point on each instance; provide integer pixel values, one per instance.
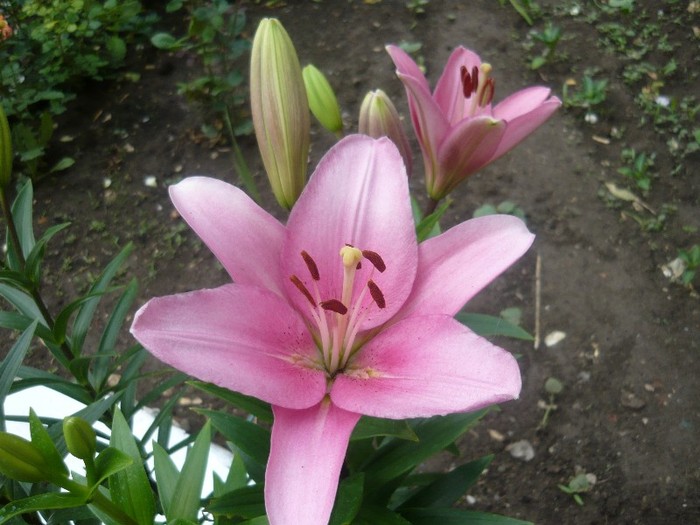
(322, 100)
(80, 437)
(20, 460)
(5, 150)
(280, 110)
(379, 118)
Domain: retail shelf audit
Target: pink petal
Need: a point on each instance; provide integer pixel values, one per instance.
(455, 266)
(429, 122)
(242, 338)
(521, 126)
(359, 196)
(426, 366)
(469, 145)
(449, 93)
(521, 102)
(306, 455)
(244, 237)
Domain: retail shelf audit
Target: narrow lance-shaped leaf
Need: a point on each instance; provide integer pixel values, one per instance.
(10, 366)
(189, 485)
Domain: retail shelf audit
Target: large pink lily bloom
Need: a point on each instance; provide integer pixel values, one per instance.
(458, 129)
(337, 314)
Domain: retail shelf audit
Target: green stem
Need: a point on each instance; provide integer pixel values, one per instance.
(97, 499)
(430, 207)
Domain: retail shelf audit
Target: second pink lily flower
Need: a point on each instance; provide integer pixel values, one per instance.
(458, 129)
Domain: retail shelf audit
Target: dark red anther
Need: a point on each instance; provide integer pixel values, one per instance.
(311, 265)
(305, 292)
(334, 306)
(376, 293)
(375, 259)
(466, 81)
(359, 265)
(475, 79)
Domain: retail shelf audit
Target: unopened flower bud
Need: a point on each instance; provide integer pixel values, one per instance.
(322, 99)
(379, 118)
(280, 110)
(80, 437)
(5, 150)
(20, 460)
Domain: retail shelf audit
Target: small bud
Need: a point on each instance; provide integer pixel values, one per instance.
(280, 110)
(379, 118)
(322, 99)
(80, 437)
(20, 460)
(5, 150)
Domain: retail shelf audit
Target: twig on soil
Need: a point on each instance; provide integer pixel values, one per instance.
(538, 292)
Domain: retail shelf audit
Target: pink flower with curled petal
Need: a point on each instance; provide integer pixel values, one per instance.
(336, 314)
(458, 129)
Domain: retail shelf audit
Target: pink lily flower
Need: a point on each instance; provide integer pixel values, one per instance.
(458, 129)
(337, 314)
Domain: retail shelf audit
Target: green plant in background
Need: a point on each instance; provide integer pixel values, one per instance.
(527, 9)
(215, 35)
(53, 46)
(417, 7)
(638, 167)
(505, 207)
(550, 37)
(691, 258)
(588, 95)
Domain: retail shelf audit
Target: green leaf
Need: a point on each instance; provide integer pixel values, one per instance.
(47, 500)
(10, 366)
(348, 500)
(35, 257)
(30, 377)
(430, 226)
(369, 427)
(448, 487)
(375, 515)
(166, 476)
(189, 485)
(395, 458)
(108, 341)
(458, 517)
(83, 320)
(117, 48)
(22, 214)
(24, 303)
(63, 164)
(248, 437)
(260, 520)
(130, 488)
(486, 325)
(44, 444)
(164, 41)
(245, 502)
(252, 405)
(109, 462)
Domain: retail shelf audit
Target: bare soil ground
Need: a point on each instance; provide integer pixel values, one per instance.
(630, 409)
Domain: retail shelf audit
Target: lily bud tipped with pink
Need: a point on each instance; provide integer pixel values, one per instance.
(379, 118)
(280, 111)
(458, 129)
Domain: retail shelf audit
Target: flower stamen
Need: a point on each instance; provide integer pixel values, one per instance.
(311, 265)
(376, 294)
(375, 259)
(334, 305)
(303, 289)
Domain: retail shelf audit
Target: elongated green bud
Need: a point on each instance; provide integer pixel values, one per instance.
(322, 99)
(20, 460)
(80, 437)
(5, 150)
(280, 110)
(379, 118)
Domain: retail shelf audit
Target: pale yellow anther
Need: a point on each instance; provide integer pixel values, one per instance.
(351, 256)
